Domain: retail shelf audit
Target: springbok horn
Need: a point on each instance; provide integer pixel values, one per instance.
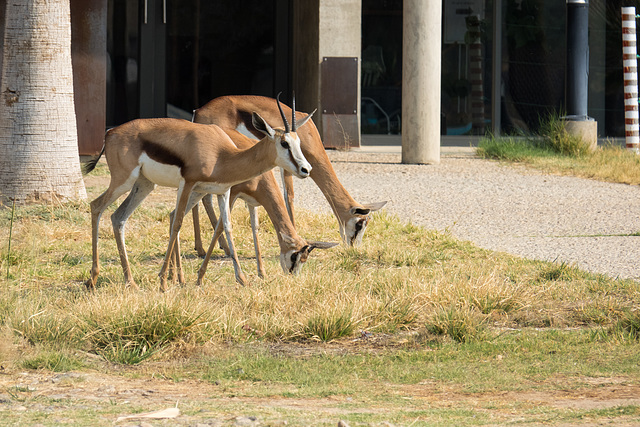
(293, 114)
(284, 119)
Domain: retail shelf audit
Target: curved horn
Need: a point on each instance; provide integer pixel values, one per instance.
(284, 119)
(293, 114)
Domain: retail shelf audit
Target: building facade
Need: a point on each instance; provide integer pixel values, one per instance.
(503, 62)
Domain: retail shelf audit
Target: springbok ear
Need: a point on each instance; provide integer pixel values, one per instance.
(305, 120)
(261, 125)
(375, 206)
(359, 211)
(321, 245)
(287, 239)
(367, 208)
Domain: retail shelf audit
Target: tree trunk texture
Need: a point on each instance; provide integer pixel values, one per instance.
(38, 137)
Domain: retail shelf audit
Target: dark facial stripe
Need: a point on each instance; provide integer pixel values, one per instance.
(295, 164)
(294, 260)
(161, 155)
(359, 228)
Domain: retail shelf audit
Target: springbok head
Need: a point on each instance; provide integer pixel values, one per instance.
(353, 229)
(289, 154)
(292, 260)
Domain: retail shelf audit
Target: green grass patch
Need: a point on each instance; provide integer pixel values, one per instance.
(553, 150)
(55, 361)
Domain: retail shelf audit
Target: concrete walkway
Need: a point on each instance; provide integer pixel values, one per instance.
(497, 206)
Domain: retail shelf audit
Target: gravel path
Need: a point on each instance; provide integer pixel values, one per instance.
(501, 207)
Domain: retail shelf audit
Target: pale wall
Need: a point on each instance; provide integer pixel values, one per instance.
(323, 28)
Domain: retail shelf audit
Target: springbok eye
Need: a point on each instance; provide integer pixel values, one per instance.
(284, 144)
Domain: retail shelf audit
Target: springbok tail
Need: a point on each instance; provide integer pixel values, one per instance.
(89, 166)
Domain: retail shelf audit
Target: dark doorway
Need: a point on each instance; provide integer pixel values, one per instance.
(168, 57)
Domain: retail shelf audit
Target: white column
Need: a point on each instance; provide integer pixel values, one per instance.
(421, 69)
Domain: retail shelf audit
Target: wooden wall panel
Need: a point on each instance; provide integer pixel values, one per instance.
(89, 58)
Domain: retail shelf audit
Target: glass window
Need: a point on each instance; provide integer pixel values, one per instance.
(533, 62)
(122, 62)
(466, 67)
(218, 48)
(381, 74)
(606, 86)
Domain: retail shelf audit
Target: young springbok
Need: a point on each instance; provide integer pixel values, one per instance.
(189, 156)
(234, 112)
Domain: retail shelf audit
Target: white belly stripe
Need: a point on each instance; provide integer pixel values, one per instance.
(159, 173)
(170, 176)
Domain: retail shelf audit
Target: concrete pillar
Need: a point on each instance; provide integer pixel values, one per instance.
(421, 69)
(327, 29)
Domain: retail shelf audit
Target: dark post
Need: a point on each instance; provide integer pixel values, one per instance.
(576, 122)
(577, 72)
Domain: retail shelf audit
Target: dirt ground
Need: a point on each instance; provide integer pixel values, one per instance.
(65, 398)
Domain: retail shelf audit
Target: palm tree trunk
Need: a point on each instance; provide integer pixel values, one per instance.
(38, 136)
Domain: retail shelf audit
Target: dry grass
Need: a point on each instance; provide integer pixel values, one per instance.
(396, 325)
(609, 163)
(403, 278)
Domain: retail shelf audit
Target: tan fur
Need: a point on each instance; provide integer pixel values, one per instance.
(264, 190)
(230, 111)
(205, 155)
(208, 151)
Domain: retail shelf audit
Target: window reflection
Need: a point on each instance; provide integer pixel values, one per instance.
(122, 62)
(381, 73)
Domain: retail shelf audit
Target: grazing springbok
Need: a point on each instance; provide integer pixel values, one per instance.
(189, 156)
(263, 190)
(234, 112)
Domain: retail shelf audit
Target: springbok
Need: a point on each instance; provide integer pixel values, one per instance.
(189, 156)
(264, 191)
(234, 112)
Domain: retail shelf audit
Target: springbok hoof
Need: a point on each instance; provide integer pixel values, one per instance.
(242, 280)
(132, 285)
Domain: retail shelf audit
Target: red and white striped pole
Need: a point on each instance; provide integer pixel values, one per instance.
(630, 67)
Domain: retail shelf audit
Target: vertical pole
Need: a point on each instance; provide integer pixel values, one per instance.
(421, 68)
(496, 80)
(476, 74)
(577, 81)
(630, 67)
(577, 123)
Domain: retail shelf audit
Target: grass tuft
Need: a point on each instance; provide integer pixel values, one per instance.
(560, 272)
(330, 326)
(460, 323)
(134, 330)
(628, 326)
(55, 361)
(552, 135)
